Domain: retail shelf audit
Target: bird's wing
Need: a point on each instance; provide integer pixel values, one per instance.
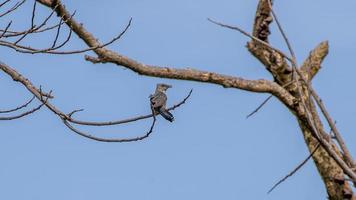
(159, 99)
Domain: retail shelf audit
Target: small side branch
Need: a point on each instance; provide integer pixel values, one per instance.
(13, 8)
(5, 2)
(44, 101)
(19, 107)
(99, 139)
(250, 36)
(294, 170)
(259, 107)
(53, 48)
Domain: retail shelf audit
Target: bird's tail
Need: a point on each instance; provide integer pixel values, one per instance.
(166, 114)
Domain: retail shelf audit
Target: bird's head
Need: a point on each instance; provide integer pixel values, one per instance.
(162, 87)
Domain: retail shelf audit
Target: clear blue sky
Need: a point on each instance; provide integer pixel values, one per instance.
(211, 151)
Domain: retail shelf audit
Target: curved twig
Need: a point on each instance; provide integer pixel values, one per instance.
(250, 36)
(33, 28)
(294, 170)
(110, 123)
(27, 112)
(66, 118)
(37, 29)
(16, 6)
(5, 2)
(87, 135)
(30, 50)
(19, 107)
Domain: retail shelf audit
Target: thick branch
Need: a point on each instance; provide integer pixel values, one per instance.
(328, 168)
(106, 55)
(272, 60)
(312, 64)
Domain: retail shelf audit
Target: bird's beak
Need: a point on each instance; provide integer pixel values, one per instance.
(168, 86)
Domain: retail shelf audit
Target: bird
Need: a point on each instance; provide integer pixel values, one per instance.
(158, 101)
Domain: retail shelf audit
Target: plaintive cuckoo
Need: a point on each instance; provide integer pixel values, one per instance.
(158, 101)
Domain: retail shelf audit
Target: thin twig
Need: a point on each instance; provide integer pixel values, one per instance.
(250, 36)
(5, 2)
(259, 107)
(17, 5)
(282, 32)
(87, 135)
(27, 112)
(30, 50)
(7, 27)
(265, 101)
(331, 123)
(33, 14)
(32, 29)
(57, 33)
(37, 29)
(19, 107)
(294, 170)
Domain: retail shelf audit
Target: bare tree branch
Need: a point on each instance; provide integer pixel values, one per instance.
(334, 162)
(283, 33)
(110, 123)
(19, 107)
(312, 64)
(25, 113)
(259, 107)
(53, 48)
(311, 122)
(106, 55)
(67, 118)
(16, 6)
(7, 27)
(250, 36)
(37, 29)
(99, 139)
(294, 170)
(33, 14)
(5, 2)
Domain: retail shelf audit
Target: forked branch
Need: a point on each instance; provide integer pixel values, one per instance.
(67, 119)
